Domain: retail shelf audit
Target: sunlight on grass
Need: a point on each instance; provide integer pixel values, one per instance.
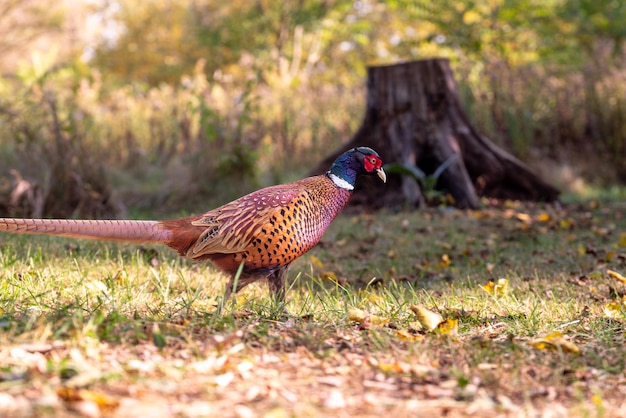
(520, 294)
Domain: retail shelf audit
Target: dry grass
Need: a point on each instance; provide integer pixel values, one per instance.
(96, 329)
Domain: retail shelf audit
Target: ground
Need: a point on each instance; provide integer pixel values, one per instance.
(513, 310)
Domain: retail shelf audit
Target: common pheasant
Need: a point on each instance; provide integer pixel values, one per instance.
(263, 231)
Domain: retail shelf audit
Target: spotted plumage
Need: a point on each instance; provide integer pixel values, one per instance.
(264, 231)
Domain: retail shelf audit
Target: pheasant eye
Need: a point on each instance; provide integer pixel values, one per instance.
(371, 163)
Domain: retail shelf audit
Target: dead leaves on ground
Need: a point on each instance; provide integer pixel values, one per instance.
(432, 321)
(555, 341)
(364, 318)
(87, 402)
(428, 321)
(498, 288)
(255, 367)
(617, 276)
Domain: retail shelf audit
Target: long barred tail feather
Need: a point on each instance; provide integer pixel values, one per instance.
(114, 230)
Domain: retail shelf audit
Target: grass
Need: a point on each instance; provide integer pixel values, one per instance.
(104, 329)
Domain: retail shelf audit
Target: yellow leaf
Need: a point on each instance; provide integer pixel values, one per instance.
(329, 275)
(317, 263)
(103, 401)
(555, 341)
(121, 277)
(597, 400)
(445, 261)
(544, 217)
(582, 251)
(356, 315)
(622, 240)
(490, 287)
(360, 316)
(449, 327)
(498, 288)
(479, 214)
(429, 319)
(613, 310)
(405, 335)
(392, 367)
(566, 223)
(616, 276)
(375, 299)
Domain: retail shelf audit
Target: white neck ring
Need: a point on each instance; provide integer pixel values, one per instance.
(339, 182)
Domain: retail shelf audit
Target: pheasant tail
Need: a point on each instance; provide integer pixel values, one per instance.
(114, 230)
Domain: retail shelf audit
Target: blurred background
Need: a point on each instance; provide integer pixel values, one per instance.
(171, 106)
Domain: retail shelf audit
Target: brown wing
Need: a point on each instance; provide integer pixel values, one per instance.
(232, 228)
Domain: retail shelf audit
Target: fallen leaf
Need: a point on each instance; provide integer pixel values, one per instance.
(498, 288)
(394, 367)
(445, 261)
(555, 341)
(597, 400)
(330, 275)
(614, 310)
(103, 401)
(361, 316)
(616, 276)
(429, 319)
(375, 299)
(543, 217)
(121, 277)
(405, 335)
(449, 327)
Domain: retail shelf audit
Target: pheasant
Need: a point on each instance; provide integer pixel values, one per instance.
(254, 237)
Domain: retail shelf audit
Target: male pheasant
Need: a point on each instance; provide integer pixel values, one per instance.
(264, 231)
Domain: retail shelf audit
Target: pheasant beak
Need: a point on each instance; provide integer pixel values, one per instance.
(381, 174)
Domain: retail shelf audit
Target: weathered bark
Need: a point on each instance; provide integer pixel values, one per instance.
(413, 116)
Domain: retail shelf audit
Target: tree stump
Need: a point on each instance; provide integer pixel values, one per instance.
(414, 117)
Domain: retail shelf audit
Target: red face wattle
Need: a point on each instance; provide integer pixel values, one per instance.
(372, 163)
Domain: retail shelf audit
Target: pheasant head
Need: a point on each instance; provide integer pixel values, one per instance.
(352, 163)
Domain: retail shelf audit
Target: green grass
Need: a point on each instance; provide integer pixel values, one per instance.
(99, 328)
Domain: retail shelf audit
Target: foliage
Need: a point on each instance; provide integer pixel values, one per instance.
(24, 21)
(427, 182)
(52, 164)
(203, 90)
